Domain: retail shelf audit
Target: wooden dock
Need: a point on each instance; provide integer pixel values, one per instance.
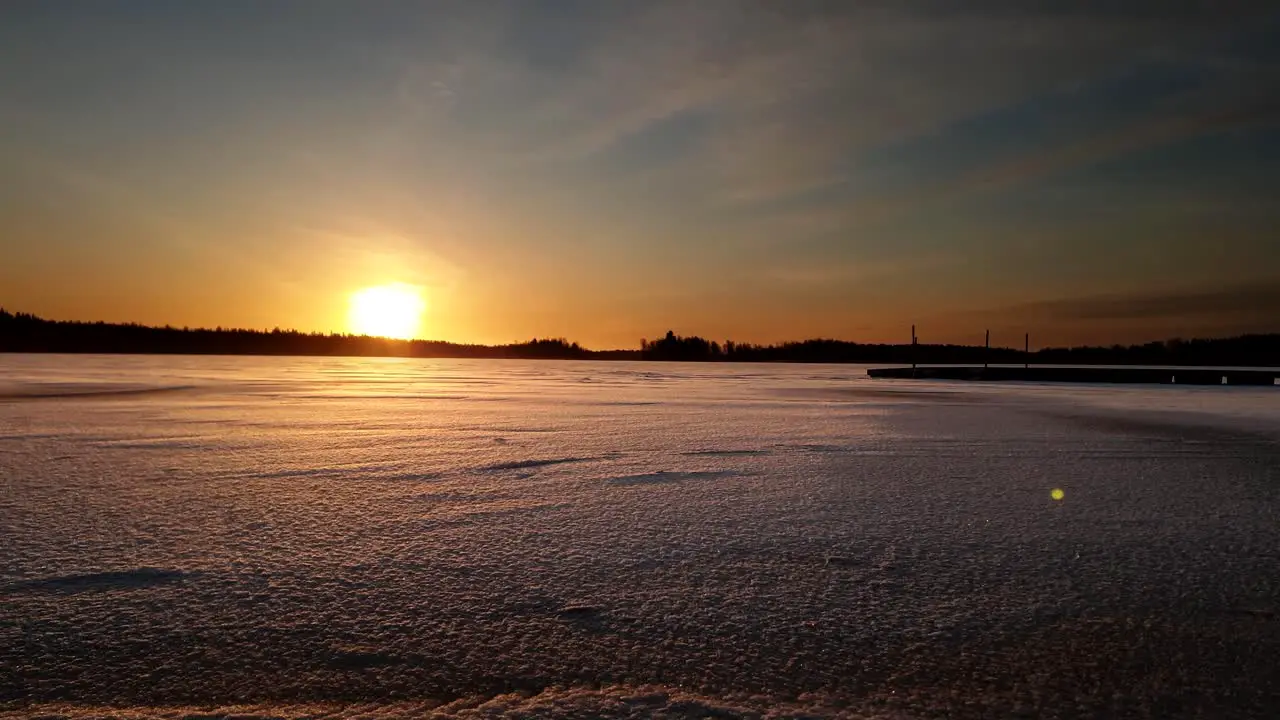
(1085, 374)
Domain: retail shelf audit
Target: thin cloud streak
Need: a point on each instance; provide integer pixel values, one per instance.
(548, 149)
(1254, 301)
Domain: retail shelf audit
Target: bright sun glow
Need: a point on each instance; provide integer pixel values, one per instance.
(393, 311)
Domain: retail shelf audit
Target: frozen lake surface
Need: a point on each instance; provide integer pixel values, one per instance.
(384, 537)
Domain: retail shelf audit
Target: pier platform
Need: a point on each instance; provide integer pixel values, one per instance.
(1084, 374)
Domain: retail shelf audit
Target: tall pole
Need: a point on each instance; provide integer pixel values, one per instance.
(913, 347)
(1026, 350)
(986, 354)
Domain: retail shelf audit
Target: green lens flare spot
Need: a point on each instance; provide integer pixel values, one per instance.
(1057, 494)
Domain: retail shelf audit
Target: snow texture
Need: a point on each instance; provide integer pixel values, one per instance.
(282, 537)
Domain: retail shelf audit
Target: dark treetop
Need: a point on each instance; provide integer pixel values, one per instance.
(22, 332)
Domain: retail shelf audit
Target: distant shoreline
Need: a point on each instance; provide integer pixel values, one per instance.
(886, 365)
(27, 333)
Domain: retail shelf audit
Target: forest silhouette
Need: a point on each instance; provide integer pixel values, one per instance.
(24, 332)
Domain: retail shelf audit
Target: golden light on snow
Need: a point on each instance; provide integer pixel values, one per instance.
(393, 311)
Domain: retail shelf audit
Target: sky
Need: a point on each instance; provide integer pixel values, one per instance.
(1088, 172)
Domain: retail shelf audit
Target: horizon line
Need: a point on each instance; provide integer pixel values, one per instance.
(535, 339)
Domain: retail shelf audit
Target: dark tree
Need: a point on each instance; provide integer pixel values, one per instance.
(24, 332)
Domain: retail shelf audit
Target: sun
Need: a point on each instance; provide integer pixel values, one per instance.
(392, 311)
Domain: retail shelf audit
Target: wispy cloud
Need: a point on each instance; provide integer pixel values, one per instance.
(796, 99)
(1243, 303)
(797, 144)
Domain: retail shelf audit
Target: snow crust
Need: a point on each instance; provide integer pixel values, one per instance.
(292, 537)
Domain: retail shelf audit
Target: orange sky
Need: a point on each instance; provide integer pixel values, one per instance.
(746, 171)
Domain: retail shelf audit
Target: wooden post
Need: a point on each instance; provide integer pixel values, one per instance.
(1026, 350)
(913, 347)
(986, 354)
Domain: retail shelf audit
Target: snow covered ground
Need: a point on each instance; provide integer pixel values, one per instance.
(385, 537)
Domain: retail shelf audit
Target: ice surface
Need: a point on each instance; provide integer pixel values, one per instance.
(381, 537)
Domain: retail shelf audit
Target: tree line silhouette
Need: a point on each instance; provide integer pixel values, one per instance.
(24, 332)
(1244, 350)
